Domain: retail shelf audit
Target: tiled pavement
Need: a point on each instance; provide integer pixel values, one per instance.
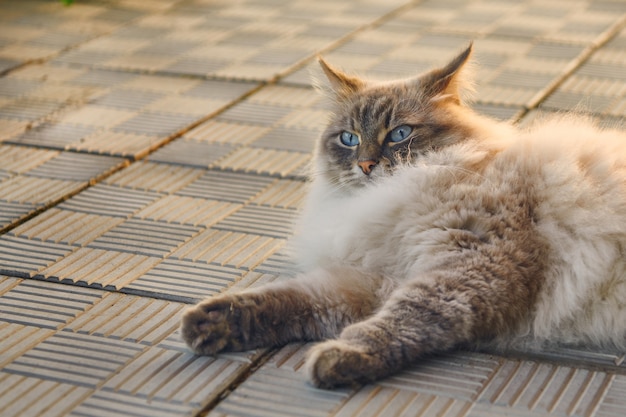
(153, 153)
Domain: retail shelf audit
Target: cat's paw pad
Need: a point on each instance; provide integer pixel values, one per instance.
(207, 327)
(335, 363)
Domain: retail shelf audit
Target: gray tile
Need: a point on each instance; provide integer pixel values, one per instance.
(29, 109)
(24, 257)
(265, 221)
(158, 124)
(226, 186)
(227, 90)
(144, 237)
(288, 139)
(262, 114)
(185, 280)
(191, 153)
(45, 305)
(128, 99)
(14, 88)
(74, 359)
(76, 167)
(110, 200)
(107, 403)
(11, 212)
(53, 135)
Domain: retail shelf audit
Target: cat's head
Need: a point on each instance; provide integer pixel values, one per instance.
(375, 127)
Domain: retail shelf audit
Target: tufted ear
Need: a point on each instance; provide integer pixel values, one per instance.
(447, 82)
(342, 83)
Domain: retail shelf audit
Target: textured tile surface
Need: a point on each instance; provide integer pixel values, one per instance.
(155, 153)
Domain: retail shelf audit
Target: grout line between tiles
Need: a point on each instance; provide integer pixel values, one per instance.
(72, 46)
(572, 66)
(210, 116)
(371, 25)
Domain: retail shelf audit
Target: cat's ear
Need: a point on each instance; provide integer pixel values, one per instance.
(448, 83)
(342, 83)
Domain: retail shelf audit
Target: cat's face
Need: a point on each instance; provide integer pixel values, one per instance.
(376, 127)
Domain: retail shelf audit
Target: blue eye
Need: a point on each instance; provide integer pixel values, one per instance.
(400, 133)
(349, 138)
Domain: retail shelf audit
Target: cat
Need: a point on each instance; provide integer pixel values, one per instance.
(429, 227)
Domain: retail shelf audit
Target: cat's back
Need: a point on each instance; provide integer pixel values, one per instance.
(578, 182)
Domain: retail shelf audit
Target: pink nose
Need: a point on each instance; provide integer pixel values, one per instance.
(367, 166)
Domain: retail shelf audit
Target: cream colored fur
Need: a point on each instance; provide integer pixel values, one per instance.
(579, 174)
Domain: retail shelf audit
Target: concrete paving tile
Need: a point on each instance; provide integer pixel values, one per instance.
(282, 164)
(253, 113)
(613, 403)
(98, 268)
(77, 167)
(37, 191)
(279, 264)
(187, 210)
(11, 127)
(185, 280)
(74, 359)
(33, 396)
(18, 159)
(13, 212)
(192, 153)
(262, 391)
(102, 78)
(383, 401)
(288, 194)
(140, 320)
(155, 123)
(498, 111)
(289, 139)
(52, 135)
(506, 96)
(145, 237)
(7, 64)
(262, 220)
(131, 100)
(193, 381)
(226, 186)
(119, 144)
(109, 200)
(590, 103)
(95, 115)
(45, 305)
(18, 338)
(16, 88)
(65, 226)
(281, 382)
(228, 133)
(228, 249)
(159, 178)
(23, 257)
(546, 388)
(29, 109)
(460, 376)
(107, 403)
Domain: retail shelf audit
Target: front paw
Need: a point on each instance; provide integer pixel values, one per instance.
(334, 363)
(209, 327)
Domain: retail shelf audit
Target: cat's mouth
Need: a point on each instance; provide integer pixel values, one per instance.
(358, 179)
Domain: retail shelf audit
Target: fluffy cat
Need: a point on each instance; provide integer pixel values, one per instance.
(430, 227)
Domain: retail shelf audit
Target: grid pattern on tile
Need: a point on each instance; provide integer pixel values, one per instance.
(181, 238)
(105, 112)
(35, 30)
(73, 350)
(165, 166)
(255, 40)
(522, 49)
